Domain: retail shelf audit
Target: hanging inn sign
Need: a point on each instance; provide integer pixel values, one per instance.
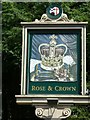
(53, 63)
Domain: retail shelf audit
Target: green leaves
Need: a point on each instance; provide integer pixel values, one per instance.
(77, 11)
(80, 113)
(16, 12)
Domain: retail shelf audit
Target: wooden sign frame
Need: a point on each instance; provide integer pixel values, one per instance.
(29, 28)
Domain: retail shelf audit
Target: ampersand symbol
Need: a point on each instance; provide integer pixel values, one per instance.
(49, 88)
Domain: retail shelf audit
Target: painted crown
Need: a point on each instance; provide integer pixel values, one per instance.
(52, 53)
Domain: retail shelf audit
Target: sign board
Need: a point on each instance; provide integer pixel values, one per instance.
(53, 64)
(53, 58)
(54, 55)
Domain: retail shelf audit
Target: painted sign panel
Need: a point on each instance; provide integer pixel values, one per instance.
(54, 62)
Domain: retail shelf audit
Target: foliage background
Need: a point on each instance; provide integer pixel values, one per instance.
(13, 14)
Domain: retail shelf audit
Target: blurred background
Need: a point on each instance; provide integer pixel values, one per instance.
(14, 13)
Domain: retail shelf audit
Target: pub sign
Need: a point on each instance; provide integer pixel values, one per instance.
(54, 62)
(53, 56)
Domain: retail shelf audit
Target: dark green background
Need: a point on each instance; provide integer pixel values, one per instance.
(53, 85)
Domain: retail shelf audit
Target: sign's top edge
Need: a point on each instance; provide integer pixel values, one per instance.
(45, 23)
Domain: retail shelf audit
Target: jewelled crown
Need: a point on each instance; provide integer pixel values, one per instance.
(52, 53)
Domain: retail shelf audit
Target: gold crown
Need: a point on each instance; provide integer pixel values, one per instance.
(52, 53)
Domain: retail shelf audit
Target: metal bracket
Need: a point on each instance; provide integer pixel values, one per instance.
(52, 113)
(53, 110)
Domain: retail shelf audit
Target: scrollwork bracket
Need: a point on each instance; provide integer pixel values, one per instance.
(53, 113)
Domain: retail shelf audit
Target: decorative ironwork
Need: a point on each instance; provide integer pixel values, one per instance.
(53, 112)
(63, 18)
